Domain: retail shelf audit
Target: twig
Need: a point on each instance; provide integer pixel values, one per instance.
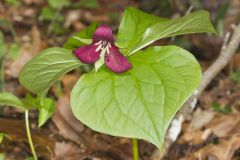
(226, 54)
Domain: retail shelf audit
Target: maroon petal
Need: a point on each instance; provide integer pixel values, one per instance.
(117, 62)
(87, 54)
(103, 33)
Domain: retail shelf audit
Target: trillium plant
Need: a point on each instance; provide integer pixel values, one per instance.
(133, 91)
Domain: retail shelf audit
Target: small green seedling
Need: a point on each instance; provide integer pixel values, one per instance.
(221, 109)
(45, 106)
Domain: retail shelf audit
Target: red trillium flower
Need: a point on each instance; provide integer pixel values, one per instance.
(102, 50)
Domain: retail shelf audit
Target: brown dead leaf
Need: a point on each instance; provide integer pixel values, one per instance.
(29, 12)
(90, 17)
(195, 137)
(193, 132)
(27, 51)
(221, 125)
(200, 118)
(233, 15)
(65, 121)
(67, 151)
(77, 25)
(15, 129)
(69, 81)
(236, 61)
(207, 99)
(209, 44)
(222, 151)
(72, 16)
(34, 2)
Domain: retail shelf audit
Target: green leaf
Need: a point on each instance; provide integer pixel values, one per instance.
(47, 13)
(46, 107)
(59, 29)
(13, 51)
(2, 156)
(43, 70)
(31, 102)
(46, 110)
(81, 38)
(3, 47)
(87, 4)
(235, 76)
(134, 23)
(13, 2)
(58, 3)
(1, 137)
(141, 102)
(11, 100)
(138, 29)
(218, 108)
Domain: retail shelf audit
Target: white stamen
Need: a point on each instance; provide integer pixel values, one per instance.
(98, 43)
(107, 50)
(104, 46)
(99, 48)
(109, 45)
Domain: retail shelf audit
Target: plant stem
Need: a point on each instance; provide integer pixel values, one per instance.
(59, 89)
(135, 148)
(29, 136)
(2, 75)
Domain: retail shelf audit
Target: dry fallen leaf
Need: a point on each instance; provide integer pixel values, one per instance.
(195, 137)
(15, 130)
(193, 132)
(69, 81)
(27, 51)
(222, 125)
(72, 16)
(36, 2)
(200, 118)
(65, 121)
(222, 151)
(67, 151)
(90, 17)
(236, 61)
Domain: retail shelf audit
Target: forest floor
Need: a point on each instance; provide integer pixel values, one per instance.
(29, 26)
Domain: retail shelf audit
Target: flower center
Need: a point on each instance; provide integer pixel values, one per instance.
(103, 46)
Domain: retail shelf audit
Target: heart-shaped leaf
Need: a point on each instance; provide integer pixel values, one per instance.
(145, 28)
(9, 99)
(47, 67)
(142, 102)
